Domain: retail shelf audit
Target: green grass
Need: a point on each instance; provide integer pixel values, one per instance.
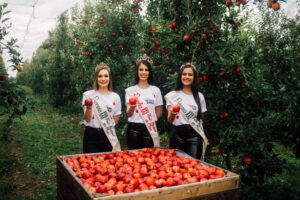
(42, 134)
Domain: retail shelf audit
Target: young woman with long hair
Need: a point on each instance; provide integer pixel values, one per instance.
(182, 135)
(141, 131)
(96, 135)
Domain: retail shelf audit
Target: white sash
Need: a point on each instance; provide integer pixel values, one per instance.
(105, 120)
(189, 115)
(146, 115)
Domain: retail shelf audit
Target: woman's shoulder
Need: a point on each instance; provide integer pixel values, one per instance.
(171, 92)
(115, 95)
(89, 93)
(134, 87)
(154, 88)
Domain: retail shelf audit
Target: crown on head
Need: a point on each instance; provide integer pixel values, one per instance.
(188, 64)
(102, 65)
(144, 57)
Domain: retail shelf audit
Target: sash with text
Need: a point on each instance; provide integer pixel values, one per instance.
(189, 115)
(146, 115)
(106, 122)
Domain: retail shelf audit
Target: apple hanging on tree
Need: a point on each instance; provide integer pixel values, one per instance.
(248, 160)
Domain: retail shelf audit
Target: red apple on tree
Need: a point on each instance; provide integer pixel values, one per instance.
(225, 114)
(243, 2)
(217, 151)
(248, 160)
(157, 43)
(186, 37)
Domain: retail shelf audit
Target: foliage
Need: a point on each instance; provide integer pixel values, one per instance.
(12, 98)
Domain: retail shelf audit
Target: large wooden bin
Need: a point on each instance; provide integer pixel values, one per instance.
(69, 187)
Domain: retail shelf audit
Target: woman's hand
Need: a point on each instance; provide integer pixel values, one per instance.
(87, 110)
(130, 109)
(171, 114)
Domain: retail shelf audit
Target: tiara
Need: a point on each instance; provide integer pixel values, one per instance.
(101, 65)
(188, 64)
(144, 57)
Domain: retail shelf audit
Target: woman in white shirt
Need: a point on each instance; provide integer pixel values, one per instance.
(138, 135)
(182, 134)
(95, 139)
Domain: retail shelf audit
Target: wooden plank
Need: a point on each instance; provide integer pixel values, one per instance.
(225, 195)
(182, 191)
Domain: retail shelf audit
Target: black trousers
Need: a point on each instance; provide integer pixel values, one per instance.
(138, 136)
(95, 140)
(185, 138)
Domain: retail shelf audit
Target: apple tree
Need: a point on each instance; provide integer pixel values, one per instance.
(14, 103)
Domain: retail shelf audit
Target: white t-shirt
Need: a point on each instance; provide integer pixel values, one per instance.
(153, 98)
(112, 102)
(188, 99)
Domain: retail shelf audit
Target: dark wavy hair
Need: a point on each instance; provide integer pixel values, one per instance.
(145, 62)
(194, 86)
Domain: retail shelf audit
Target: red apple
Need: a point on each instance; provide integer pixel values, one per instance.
(88, 102)
(186, 37)
(248, 160)
(132, 101)
(217, 151)
(225, 114)
(157, 43)
(176, 108)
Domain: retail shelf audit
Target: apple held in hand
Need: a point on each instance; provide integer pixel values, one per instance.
(176, 108)
(88, 102)
(132, 101)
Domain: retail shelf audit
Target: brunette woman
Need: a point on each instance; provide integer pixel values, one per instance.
(144, 107)
(186, 106)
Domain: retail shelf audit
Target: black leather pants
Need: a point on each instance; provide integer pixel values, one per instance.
(138, 136)
(185, 138)
(95, 140)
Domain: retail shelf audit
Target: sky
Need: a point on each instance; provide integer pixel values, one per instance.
(44, 19)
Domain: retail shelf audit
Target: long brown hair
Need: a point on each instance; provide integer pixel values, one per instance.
(194, 86)
(98, 68)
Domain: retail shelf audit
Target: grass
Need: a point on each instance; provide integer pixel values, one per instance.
(41, 135)
(28, 162)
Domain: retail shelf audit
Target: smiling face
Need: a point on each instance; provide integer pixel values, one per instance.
(103, 78)
(143, 72)
(187, 77)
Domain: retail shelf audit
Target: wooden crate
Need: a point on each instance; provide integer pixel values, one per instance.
(69, 187)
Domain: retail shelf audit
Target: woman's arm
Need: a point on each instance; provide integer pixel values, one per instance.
(87, 110)
(158, 111)
(171, 114)
(130, 109)
(117, 118)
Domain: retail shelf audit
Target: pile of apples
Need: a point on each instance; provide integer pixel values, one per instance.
(138, 170)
